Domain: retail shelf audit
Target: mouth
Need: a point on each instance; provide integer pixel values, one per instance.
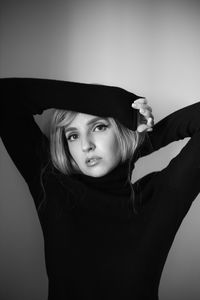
(93, 161)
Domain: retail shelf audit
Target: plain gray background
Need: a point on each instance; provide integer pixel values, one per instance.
(148, 47)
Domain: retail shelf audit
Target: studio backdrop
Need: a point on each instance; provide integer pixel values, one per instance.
(148, 47)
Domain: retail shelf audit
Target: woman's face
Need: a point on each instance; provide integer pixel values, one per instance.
(93, 144)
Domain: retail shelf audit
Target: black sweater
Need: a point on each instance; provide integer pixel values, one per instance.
(98, 243)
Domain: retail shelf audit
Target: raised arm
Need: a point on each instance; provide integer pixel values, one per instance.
(180, 124)
(22, 138)
(182, 175)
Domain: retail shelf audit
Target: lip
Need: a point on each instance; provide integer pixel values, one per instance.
(92, 161)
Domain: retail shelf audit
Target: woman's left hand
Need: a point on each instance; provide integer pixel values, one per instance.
(147, 120)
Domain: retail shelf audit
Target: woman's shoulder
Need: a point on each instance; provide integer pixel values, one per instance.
(61, 185)
(61, 194)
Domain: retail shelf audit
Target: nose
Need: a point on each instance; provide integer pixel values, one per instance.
(87, 144)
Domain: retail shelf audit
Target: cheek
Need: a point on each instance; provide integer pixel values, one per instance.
(114, 142)
(111, 145)
(116, 149)
(74, 151)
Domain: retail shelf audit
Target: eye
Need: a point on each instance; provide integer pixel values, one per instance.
(72, 137)
(101, 127)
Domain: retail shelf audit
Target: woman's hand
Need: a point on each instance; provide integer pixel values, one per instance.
(147, 119)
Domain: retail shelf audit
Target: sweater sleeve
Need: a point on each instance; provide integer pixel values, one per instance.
(183, 123)
(182, 175)
(22, 138)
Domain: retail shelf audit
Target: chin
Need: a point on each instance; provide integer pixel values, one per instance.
(97, 172)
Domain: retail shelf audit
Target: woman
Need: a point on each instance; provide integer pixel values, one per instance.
(105, 238)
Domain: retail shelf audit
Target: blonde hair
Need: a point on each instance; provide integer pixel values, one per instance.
(62, 160)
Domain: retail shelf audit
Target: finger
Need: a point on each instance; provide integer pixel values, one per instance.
(145, 112)
(138, 104)
(141, 101)
(147, 107)
(135, 105)
(146, 126)
(150, 122)
(142, 128)
(144, 107)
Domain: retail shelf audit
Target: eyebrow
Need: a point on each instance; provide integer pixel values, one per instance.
(93, 120)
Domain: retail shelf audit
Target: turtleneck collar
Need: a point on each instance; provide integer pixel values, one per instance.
(116, 182)
(109, 196)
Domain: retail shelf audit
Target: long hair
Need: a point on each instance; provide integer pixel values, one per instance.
(128, 141)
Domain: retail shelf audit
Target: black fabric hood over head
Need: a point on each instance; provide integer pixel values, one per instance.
(95, 99)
